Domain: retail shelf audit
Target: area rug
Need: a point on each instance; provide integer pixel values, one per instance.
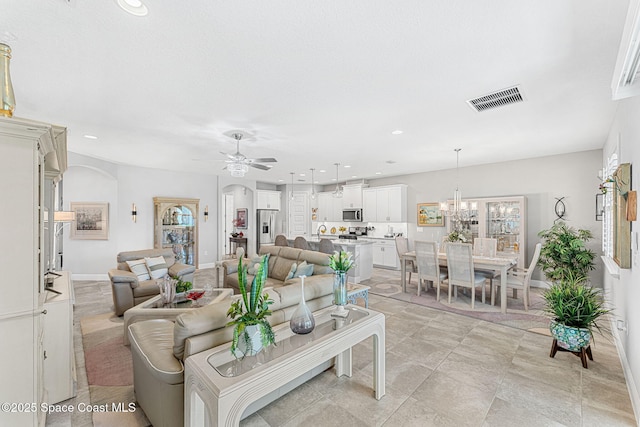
(387, 283)
(109, 370)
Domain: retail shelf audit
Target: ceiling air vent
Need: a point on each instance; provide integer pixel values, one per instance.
(501, 98)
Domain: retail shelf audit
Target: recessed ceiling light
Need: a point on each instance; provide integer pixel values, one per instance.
(134, 7)
(333, 179)
(281, 180)
(347, 166)
(390, 162)
(90, 136)
(322, 171)
(378, 173)
(302, 174)
(397, 132)
(354, 176)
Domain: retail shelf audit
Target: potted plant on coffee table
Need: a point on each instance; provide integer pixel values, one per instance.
(574, 308)
(252, 330)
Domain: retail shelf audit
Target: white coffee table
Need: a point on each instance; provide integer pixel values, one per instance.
(218, 388)
(154, 309)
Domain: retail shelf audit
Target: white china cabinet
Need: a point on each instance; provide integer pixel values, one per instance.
(176, 227)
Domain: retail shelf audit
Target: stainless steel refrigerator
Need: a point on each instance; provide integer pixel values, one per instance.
(266, 221)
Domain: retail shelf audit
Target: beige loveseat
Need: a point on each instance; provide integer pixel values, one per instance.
(159, 347)
(128, 291)
(281, 259)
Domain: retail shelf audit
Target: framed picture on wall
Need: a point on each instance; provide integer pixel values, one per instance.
(241, 218)
(92, 221)
(429, 215)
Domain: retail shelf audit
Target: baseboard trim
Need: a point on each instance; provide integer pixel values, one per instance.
(99, 277)
(631, 385)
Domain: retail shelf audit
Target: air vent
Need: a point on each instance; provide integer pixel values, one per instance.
(501, 98)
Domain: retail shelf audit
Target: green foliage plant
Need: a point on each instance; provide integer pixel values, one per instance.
(564, 252)
(571, 302)
(251, 309)
(183, 286)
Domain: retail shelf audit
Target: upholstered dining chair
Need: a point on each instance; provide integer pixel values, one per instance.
(402, 247)
(301, 243)
(281, 240)
(428, 266)
(520, 278)
(326, 246)
(461, 272)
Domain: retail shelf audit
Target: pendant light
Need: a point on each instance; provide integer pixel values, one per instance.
(291, 194)
(338, 190)
(461, 210)
(313, 189)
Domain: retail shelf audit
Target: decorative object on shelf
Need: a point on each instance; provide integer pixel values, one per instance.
(241, 218)
(574, 308)
(564, 252)
(238, 164)
(302, 321)
(206, 213)
(430, 215)
(342, 229)
(7, 98)
(313, 188)
(340, 262)
(314, 216)
(333, 230)
(560, 209)
(338, 191)
(134, 212)
(461, 210)
(252, 330)
(92, 221)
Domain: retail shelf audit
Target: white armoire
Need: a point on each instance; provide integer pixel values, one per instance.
(33, 160)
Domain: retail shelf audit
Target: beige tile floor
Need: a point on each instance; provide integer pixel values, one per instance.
(443, 369)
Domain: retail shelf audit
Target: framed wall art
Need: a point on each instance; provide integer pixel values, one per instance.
(92, 221)
(241, 218)
(429, 215)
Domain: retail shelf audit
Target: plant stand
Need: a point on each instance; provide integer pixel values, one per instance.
(582, 354)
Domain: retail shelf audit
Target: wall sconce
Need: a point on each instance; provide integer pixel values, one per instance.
(206, 213)
(134, 212)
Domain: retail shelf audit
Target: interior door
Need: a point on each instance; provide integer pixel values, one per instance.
(299, 215)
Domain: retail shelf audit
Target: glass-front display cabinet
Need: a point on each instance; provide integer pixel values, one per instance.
(501, 218)
(176, 227)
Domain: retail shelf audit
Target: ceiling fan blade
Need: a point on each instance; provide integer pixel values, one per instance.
(264, 160)
(231, 156)
(259, 166)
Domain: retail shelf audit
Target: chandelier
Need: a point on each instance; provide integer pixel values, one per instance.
(461, 211)
(338, 191)
(291, 196)
(237, 170)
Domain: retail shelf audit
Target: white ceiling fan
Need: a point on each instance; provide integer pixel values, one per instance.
(238, 164)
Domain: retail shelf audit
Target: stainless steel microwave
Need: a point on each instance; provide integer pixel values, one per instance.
(352, 215)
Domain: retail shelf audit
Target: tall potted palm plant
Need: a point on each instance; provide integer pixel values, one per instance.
(252, 330)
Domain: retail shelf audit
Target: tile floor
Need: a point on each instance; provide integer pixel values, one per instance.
(443, 369)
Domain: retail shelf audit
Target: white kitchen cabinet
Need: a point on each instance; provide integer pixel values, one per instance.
(501, 218)
(329, 207)
(385, 254)
(267, 199)
(34, 158)
(385, 204)
(59, 360)
(352, 196)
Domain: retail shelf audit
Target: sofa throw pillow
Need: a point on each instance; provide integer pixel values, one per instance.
(139, 268)
(304, 269)
(292, 272)
(157, 267)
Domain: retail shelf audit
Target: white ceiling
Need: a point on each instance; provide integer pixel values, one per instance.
(316, 82)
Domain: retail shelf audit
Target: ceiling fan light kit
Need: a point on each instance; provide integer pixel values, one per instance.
(238, 164)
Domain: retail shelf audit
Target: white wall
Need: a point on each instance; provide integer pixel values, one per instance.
(624, 292)
(542, 180)
(92, 180)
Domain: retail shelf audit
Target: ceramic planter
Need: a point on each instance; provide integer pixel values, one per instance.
(570, 338)
(252, 345)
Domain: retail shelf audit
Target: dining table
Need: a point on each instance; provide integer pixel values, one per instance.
(498, 264)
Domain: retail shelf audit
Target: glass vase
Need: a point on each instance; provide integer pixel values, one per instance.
(340, 293)
(302, 321)
(7, 99)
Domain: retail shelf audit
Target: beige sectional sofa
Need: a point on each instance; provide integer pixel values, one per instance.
(128, 291)
(281, 259)
(159, 347)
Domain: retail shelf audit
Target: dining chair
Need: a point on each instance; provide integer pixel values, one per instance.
(485, 246)
(402, 247)
(520, 278)
(281, 240)
(301, 243)
(326, 246)
(461, 272)
(428, 266)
